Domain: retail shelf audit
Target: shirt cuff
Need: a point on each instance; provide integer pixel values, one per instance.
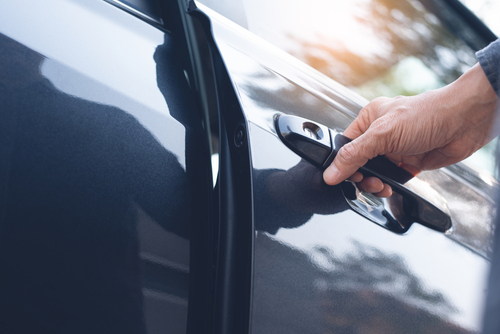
(489, 58)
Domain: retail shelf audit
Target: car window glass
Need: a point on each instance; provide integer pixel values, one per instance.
(375, 47)
(487, 11)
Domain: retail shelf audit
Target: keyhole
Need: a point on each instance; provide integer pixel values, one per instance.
(312, 130)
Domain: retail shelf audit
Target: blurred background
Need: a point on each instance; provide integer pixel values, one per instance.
(374, 47)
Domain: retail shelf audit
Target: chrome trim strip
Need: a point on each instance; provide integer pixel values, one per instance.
(135, 12)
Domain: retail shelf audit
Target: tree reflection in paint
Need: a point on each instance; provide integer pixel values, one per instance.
(365, 291)
(403, 29)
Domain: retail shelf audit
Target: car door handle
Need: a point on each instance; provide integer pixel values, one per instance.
(319, 145)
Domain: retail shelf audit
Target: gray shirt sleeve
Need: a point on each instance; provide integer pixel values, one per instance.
(489, 58)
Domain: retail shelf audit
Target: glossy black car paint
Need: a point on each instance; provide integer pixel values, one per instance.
(318, 266)
(207, 91)
(106, 221)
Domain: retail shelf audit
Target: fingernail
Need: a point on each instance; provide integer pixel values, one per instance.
(331, 174)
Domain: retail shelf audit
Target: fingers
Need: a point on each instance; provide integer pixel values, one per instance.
(355, 129)
(373, 110)
(345, 164)
(356, 177)
(375, 186)
(371, 185)
(351, 157)
(386, 192)
(364, 145)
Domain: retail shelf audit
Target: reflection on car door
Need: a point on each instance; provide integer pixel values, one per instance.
(318, 265)
(98, 123)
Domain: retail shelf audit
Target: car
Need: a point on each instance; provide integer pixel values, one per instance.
(147, 185)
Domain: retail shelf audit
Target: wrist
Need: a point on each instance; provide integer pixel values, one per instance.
(472, 98)
(478, 86)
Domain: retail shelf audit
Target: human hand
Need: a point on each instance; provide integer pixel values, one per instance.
(422, 132)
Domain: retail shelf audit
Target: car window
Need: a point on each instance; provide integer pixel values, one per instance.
(376, 48)
(487, 11)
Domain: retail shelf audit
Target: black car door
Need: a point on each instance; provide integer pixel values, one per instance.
(106, 182)
(328, 259)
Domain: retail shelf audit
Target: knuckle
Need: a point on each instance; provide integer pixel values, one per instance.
(385, 131)
(370, 108)
(374, 109)
(347, 153)
(383, 128)
(364, 117)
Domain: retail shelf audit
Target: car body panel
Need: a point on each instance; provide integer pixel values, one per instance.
(95, 233)
(320, 267)
(109, 225)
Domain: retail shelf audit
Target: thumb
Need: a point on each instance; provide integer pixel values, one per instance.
(350, 157)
